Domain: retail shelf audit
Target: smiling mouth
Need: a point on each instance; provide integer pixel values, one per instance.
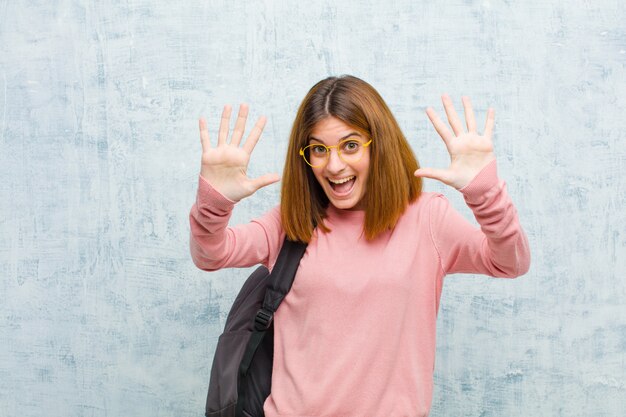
(342, 186)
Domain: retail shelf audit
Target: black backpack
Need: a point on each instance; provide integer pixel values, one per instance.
(241, 376)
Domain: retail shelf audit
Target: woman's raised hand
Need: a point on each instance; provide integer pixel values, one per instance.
(469, 151)
(225, 166)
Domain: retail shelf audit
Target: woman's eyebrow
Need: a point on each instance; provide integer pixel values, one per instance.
(340, 139)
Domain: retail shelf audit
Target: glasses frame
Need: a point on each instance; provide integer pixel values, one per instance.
(302, 150)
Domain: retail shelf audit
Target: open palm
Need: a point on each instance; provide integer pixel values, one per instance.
(225, 166)
(469, 151)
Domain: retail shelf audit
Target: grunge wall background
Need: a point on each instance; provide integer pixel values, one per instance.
(102, 312)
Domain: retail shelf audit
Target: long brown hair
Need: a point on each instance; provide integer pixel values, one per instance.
(391, 185)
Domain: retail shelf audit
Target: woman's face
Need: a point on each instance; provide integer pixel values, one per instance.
(343, 182)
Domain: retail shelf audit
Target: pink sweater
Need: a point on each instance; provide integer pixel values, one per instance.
(355, 336)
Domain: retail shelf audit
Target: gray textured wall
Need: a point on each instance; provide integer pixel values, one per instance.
(102, 312)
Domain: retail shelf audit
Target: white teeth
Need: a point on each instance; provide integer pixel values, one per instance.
(341, 181)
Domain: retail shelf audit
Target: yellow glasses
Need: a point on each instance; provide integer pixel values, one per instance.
(349, 150)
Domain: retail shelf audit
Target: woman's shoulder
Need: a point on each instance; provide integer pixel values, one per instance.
(271, 216)
(424, 200)
(418, 210)
(427, 205)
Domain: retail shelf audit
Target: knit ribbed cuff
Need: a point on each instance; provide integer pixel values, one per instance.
(209, 197)
(484, 181)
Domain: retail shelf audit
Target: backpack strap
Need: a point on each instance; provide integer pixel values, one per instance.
(279, 284)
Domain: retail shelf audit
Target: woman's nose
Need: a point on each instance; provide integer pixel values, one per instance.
(335, 163)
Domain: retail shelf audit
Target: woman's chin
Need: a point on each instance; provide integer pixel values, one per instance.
(352, 203)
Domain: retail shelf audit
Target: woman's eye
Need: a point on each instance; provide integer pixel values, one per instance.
(318, 149)
(351, 146)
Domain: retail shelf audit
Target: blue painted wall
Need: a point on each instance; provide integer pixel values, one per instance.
(102, 312)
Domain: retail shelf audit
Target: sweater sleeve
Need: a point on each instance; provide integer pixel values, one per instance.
(214, 245)
(498, 248)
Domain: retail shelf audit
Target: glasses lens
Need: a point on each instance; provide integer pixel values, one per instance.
(315, 154)
(350, 150)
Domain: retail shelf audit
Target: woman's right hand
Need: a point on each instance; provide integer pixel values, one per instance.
(225, 166)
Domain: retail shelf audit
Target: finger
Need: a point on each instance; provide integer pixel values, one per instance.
(453, 118)
(254, 135)
(204, 135)
(434, 173)
(491, 118)
(224, 125)
(265, 180)
(240, 125)
(440, 127)
(469, 114)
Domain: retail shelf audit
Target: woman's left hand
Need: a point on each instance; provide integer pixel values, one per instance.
(469, 151)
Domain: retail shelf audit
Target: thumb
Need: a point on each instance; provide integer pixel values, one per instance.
(434, 173)
(265, 180)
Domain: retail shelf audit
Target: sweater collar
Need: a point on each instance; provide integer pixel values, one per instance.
(352, 216)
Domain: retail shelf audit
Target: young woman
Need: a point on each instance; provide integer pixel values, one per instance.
(355, 336)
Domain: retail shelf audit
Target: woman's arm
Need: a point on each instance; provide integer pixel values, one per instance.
(224, 181)
(214, 245)
(498, 248)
